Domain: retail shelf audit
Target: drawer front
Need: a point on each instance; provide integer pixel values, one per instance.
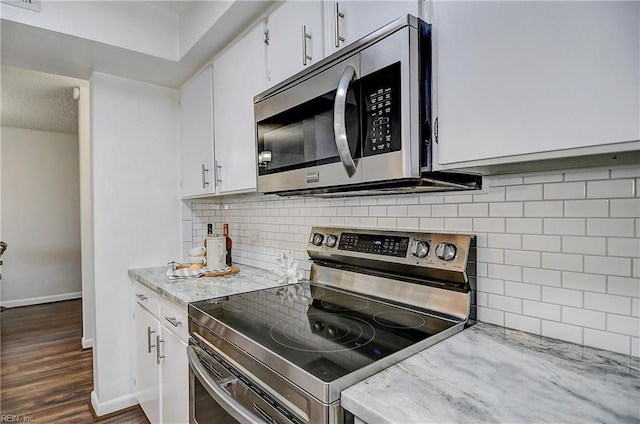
(174, 318)
(147, 298)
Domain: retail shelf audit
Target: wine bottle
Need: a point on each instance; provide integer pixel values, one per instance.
(209, 233)
(225, 232)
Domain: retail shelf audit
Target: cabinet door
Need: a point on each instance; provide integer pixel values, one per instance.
(295, 38)
(355, 19)
(196, 135)
(515, 78)
(235, 138)
(147, 375)
(175, 379)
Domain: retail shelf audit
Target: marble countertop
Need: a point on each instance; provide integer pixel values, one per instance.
(492, 374)
(183, 291)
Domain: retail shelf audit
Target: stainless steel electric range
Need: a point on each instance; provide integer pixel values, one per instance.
(374, 298)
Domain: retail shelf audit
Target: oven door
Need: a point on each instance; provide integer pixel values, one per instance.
(217, 396)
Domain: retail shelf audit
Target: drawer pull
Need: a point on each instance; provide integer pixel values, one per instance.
(173, 321)
(141, 297)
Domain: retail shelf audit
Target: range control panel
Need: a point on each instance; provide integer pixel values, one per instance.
(425, 250)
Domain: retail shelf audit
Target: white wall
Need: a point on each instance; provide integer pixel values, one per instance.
(40, 217)
(558, 252)
(136, 211)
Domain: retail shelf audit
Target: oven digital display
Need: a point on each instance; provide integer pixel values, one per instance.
(374, 244)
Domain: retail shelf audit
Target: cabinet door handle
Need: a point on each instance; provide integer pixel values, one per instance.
(141, 297)
(204, 171)
(217, 172)
(149, 345)
(158, 356)
(173, 321)
(305, 36)
(337, 16)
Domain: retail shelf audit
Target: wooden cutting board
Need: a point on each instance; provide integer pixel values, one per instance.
(233, 270)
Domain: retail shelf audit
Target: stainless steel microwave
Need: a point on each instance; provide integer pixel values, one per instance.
(357, 121)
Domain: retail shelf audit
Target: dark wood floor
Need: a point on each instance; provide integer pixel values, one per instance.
(45, 376)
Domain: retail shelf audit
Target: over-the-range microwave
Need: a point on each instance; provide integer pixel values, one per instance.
(359, 121)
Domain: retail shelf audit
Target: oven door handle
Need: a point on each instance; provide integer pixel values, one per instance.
(222, 397)
(339, 120)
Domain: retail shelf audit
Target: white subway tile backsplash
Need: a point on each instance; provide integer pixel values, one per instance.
(505, 303)
(495, 256)
(541, 310)
(592, 174)
(608, 341)
(490, 285)
(474, 209)
(562, 296)
(607, 303)
(608, 265)
(610, 227)
(491, 316)
(626, 172)
(549, 260)
(505, 272)
(629, 247)
(458, 224)
(489, 225)
(542, 277)
(586, 208)
(522, 323)
(542, 178)
(549, 208)
(522, 290)
(610, 188)
(623, 286)
(524, 192)
(584, 245)
(542, 243)
(506, 241)
(575, 190)
(419, 210)
(524, 225)
(623, 325)
(564, 226)
(556, 330)
(444, 210)
(586, 282)
(584, 317)
(513, 209)
(522, 258)
(562, 261)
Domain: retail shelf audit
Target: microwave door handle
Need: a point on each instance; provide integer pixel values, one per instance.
(232, 406)
(339, 118)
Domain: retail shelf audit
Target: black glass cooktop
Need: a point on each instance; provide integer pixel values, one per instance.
(327, 332)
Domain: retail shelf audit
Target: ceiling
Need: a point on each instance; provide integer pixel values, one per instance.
(175, 7)
(38, 101)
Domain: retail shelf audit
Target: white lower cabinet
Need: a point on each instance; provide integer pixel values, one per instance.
(147, 377)
(161, 375)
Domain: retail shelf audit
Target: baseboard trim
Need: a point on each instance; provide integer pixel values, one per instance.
(87, 343)
(112, 407)
(39, 300)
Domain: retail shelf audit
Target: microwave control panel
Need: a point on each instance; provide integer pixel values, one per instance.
(381, 96)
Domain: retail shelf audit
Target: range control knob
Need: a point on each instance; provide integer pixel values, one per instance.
(420, 249)
(317, 239)
(331, 240)
(446, 251)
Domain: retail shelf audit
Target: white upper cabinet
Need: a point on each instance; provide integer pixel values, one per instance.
(239, 73)
(516, 78)
(295, 38)
(196, 135)
(348, 21)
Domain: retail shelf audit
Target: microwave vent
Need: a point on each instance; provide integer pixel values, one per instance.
(33, 5)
